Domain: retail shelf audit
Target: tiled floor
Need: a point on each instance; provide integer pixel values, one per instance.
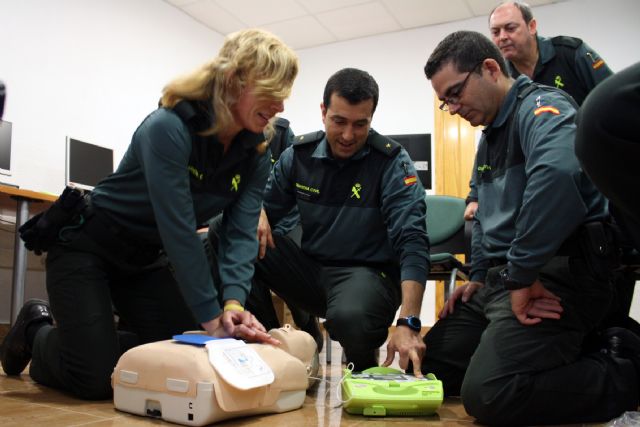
(24, 403)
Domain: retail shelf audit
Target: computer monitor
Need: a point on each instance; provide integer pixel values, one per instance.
(87, 164)
(5, 147)
(418, 145)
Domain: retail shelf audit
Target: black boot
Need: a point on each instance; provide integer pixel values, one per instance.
(16, 348)
(623, 344)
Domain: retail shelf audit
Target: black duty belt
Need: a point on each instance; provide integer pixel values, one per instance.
(117, 240)
(592, 241)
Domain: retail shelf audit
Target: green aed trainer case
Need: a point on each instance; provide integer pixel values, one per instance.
(381, 391)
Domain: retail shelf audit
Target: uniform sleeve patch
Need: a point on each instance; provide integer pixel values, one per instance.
(599, 63)
(547, 109)
(410, 180)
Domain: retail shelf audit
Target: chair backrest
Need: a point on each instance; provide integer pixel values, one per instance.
(446, 224)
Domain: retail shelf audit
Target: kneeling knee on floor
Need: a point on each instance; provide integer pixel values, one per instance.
(486, 403)
(94, 390)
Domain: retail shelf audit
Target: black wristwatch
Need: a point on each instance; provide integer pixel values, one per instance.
(412, 322)
(510, 284)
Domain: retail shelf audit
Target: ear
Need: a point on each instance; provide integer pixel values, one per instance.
(324, 111)
(492, 67)
(533, 26)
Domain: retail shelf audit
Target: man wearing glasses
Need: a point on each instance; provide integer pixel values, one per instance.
(541, 260)
(564, 62)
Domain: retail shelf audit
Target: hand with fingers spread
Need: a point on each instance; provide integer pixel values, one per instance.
(463, 293)
(534, 303)
(409, 346)
(265, 238)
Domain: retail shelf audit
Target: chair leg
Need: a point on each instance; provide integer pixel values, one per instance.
(327, 346)
(451, 285)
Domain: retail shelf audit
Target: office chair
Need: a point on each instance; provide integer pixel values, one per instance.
(449, 235)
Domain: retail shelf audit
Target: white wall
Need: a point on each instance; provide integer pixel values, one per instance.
(91, 69)
(396, 60)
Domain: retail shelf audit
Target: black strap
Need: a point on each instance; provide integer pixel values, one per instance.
(116, 239)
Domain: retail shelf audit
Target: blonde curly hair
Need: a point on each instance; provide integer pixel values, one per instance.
(247, 57)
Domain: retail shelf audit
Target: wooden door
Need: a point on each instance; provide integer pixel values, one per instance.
(455, 148)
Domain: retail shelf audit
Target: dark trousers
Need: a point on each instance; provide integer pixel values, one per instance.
(511, 374)
(85, 283)
(259, 301)
(260, 304)
(358, 302)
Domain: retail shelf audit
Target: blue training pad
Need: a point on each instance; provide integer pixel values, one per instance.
(194, 339)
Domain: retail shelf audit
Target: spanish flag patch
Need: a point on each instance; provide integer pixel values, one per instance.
(548, 109)
(599, 63)
(410, 180)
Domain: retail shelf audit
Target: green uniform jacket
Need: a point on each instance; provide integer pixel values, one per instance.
(367, 218)
(566, 63)
(532, 192)
(569, 64)
(151, 196)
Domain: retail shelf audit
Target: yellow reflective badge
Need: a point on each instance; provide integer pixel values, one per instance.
(355, 190)
(235, 182)
(599, 63)
(547, 109)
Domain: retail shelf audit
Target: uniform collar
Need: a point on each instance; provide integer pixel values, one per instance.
(205, 115)
(509, 102)
(546, 51)
(322, 151)
(250, 139)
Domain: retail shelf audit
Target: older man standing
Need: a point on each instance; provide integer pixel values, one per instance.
(564, 62)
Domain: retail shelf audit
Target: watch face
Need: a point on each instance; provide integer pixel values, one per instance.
(411, 322)
(414, 322)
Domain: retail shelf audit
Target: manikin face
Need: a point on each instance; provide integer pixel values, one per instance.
(347, 125)
(476, 102)
(511, 34)
(253, 113)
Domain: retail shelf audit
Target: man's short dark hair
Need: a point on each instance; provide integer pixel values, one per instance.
(465, 50)
(353, 85)
(523, 7)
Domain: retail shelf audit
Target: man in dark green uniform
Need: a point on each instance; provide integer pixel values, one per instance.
(364, 245)
(541, 256)
(564, 62)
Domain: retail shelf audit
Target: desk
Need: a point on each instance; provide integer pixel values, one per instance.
(20, 201)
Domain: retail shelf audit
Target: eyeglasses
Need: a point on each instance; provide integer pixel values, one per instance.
(456, 94)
